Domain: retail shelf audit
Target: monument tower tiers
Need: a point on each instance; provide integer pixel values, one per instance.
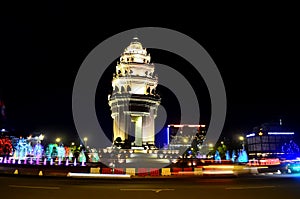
(134, 100)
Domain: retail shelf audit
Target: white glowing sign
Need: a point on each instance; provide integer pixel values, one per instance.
(194, 125)
(186, 125)
(250, 135)
(280, 133)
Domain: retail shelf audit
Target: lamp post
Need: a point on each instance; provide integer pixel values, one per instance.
(85, 139)
(241, 138)
(41, 138)
(58, 140)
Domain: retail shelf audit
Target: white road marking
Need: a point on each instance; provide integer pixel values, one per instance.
(155, 190)
(32, 187)
(256, 187)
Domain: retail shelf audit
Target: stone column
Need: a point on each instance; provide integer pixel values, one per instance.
(148, 130)
(138, 130)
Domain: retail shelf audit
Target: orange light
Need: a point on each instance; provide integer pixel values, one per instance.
(218, 172)
(218, 167)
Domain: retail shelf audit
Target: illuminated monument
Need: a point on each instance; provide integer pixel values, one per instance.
(134, 100)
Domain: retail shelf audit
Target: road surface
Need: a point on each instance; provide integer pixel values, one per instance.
(252, 187)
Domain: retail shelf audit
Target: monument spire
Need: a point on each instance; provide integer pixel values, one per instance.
(134, 101)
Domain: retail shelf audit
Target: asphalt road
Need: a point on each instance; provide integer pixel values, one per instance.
(253, 187)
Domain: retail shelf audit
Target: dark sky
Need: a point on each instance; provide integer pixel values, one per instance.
(43, 46)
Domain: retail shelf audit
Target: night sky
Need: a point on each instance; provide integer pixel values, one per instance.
(43, 46)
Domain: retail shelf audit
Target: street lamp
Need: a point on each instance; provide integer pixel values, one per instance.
(73, 143)
(85, 139)
(241, 138)
(210, 146)
(41, 137)
(58, 140)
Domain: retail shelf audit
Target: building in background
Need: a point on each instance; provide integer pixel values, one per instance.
(272, 140)
(182, 135)
(2, 115)
(4, 128)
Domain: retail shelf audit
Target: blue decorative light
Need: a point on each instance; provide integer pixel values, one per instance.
(168, 135)
(296, 168)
